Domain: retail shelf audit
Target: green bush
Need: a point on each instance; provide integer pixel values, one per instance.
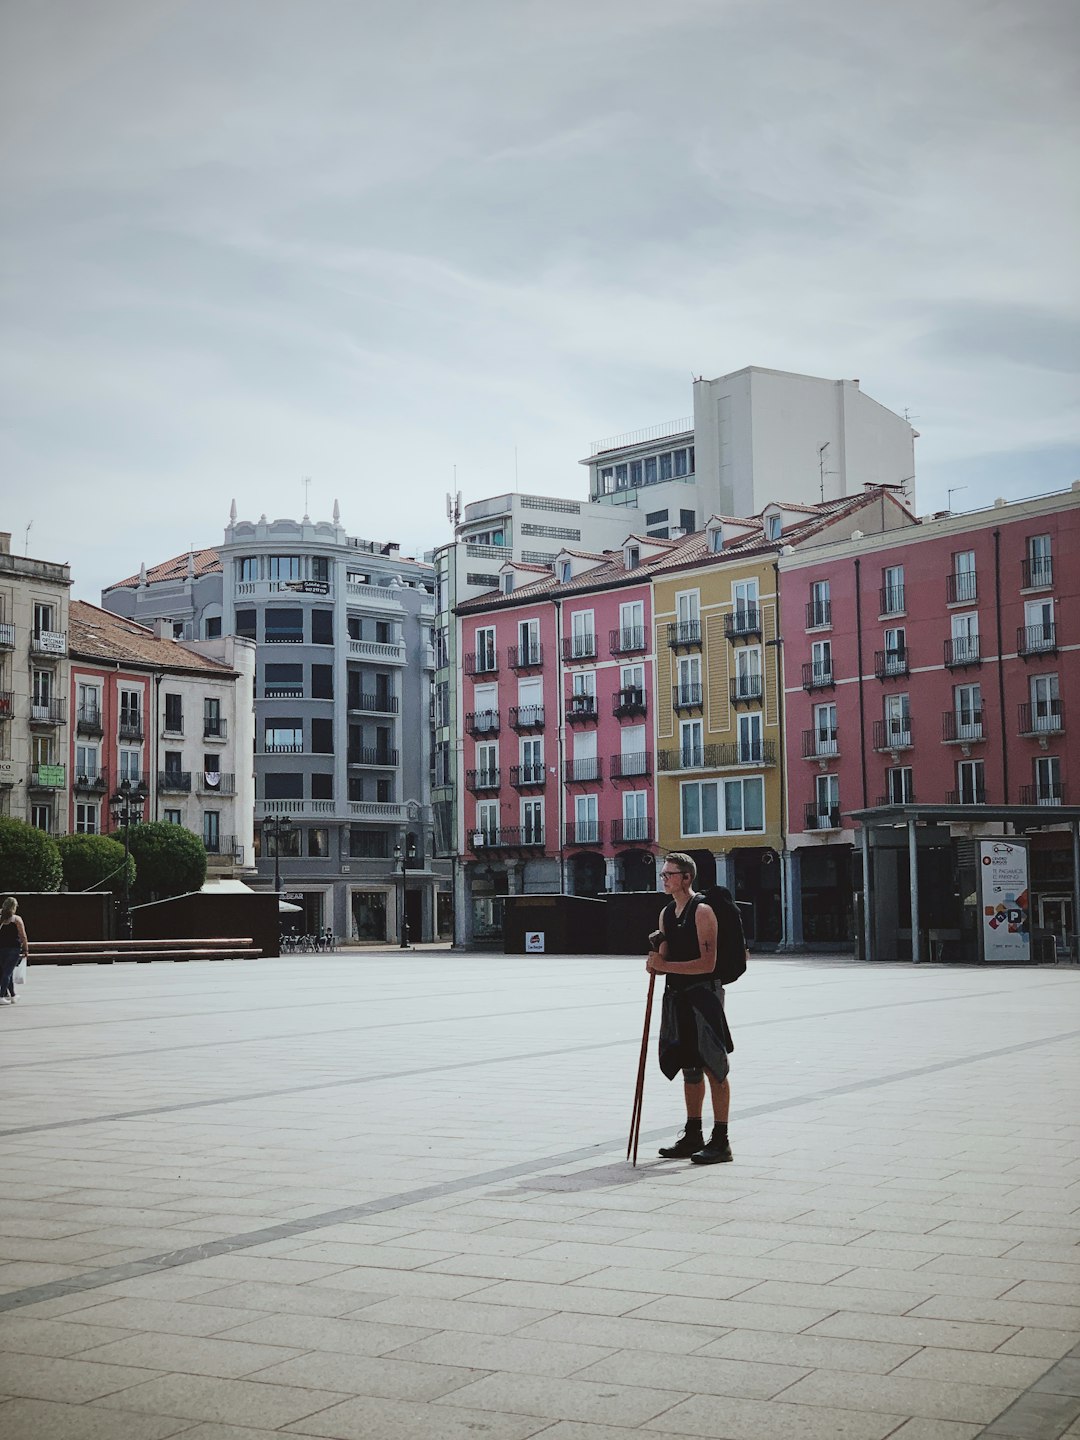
(94, 862)
(169, 860)
(29, 859)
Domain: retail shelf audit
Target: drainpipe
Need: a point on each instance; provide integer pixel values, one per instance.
(787, 896)
(1001, 670)
(155, 744)
(862, 694)
(560, 732)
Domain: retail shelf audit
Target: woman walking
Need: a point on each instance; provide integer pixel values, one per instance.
(13, 945)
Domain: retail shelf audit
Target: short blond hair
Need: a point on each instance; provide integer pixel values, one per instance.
(8, 908)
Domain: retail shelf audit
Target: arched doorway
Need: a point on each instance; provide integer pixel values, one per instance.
(637, 870)
(587, 874)
(705, 861)
(757, 888)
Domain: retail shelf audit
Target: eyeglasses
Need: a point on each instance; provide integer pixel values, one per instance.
(670, 874)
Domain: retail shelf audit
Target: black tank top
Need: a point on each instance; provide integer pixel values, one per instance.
(680, 932)
(9, 936)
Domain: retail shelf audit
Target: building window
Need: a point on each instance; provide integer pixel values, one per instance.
(174, 714)
(320, 569)
(41, 817)
(174, 817)
(213, 725)
(892, 590)
(284, 626)
(827, 801)
(819, 611)
(130, 767)
(247, 568)
(43, 618)
(287, 785)
(211, 831)
(368, 844)
(212, 627)
(532, 822)
(322, 627)
(322, 737)
(656, 517)
(285, 844)
(322, 682)
(322, 787)
(245, 624)
(284, 567)
(900, 785)
(283, 737)
(1038, 564)
(723, 807)
(86, 819)
(487, 820)
(971, 782)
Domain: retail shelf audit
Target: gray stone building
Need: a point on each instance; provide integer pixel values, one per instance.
(343, 712)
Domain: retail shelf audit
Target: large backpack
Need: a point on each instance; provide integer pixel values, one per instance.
(730, 940)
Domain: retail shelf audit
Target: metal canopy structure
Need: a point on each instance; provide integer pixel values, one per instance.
(1022, 819)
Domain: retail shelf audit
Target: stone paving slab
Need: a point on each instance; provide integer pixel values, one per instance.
(390, 1201)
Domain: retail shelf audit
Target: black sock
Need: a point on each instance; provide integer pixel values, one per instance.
(719, 1131)
(693, 1125)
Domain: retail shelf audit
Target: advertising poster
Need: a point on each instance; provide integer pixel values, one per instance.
(1004, 901)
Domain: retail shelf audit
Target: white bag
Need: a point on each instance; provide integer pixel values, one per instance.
(20, 972)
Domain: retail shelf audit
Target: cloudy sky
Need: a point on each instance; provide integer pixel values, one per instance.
(247, 241)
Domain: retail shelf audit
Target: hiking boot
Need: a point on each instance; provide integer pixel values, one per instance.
(688, 1142)
(716, 1152)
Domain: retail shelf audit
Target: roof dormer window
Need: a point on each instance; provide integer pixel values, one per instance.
(774, 525)
(565, 572)
(508, 583)
(632, 557)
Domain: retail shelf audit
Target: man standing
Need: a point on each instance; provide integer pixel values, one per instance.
(694, 1034)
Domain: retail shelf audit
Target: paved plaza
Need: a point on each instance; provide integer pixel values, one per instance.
(383, 1197)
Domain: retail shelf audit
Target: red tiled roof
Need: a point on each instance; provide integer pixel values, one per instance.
(95, 634)
(206, 563)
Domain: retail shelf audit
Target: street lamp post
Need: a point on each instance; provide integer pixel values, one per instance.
(277, 826)
(404, 857)
(126, 806)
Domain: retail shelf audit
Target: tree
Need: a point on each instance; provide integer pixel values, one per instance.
(29, 859)
(94, 862)
(169, 860)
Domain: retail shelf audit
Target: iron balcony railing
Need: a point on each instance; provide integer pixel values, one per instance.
(891, 600)
(818, 675)
(893, 734)
(283, 747)
(579, 647)
(746, 689)
(1049, 792)
(743, 622)
(1037, 639)
(684, 634)
(216, 782)
(632, 830)
(375, 704)
(48, 712)
(584, 832)
(7, 636)
(820, 744)
(7, 700)
(1044, 717)
(526, 717)
(961, 587)
(47, 777)
(377, 756)
(90, 782)
(173, 724)
(890, 663)
(477, 781)
(482, 722)
(525, 657)
(178, 781)
(817, 817)
(961, 651)
(629, 767)
(584, 770)
(131, 725)
(580, 708)
(517, 837)
(818, 614)
(482, 663)
(887, 799)
(964, 728)
(629, 701)
(627, 640)
(722, 755)
(1036, 572)
(968, 795)
(88, 720)
(220, 845)
(528, 777)
(686, 697)
(214, 727)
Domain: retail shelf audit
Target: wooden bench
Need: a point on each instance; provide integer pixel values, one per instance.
(142, 952)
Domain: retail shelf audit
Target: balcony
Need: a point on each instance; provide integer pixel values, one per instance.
(377, 757)
(48, 712)
(1036, 572)
(744, 623)
(1037, 639)
(173, 724)
(88, 720)
(820, 744)
(747, 690)
(478, 782)
(482, 664)
(516, 837)
(579, 647)
(7, 636)
(684, 635)
(894, 734)
(632, 830)
(1045, 717)
(891, 601)
(584, 771)
(1050, 792)
(47, 777)
(818, 675)
(525, 657)
(371, 704)
(215, 728)
(580, 709)
(131, 726)
(628, 702)
(817, 818)
(528, 777)
(378, 652)
(482, 722)
(7, 700)
(631, 767)
(727, 755)
(627, 640)
(961, 588)
(962, 728)
(962, 651)
(818, 614)
(48, 644)
(969, 795)
(90, 782)
(526, 717)
(908, 799)
(221, 848)
(174, 782)
(888, 664)
(584, 832)
(686, 697)
(216, 782)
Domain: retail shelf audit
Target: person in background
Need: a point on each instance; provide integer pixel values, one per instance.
(13, 945)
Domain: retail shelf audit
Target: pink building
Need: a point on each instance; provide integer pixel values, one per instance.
(930, 677)
(558, 763)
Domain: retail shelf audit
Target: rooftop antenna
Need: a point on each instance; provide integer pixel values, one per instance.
(453, 503)
(306, 482)
(822, 472)
(515, 469)
(908, 415)
(952, 490)
(26, 538)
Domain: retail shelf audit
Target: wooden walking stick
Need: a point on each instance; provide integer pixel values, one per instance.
(639, 1090)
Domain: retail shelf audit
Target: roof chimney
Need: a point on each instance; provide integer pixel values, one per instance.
(163, 629)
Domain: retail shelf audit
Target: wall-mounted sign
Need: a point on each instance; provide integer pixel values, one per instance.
(534, 942)
(308, 587)
(7, 772)
(50, 776)
(1004, 901)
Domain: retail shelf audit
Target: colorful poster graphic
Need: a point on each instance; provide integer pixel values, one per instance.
(1004, 901)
